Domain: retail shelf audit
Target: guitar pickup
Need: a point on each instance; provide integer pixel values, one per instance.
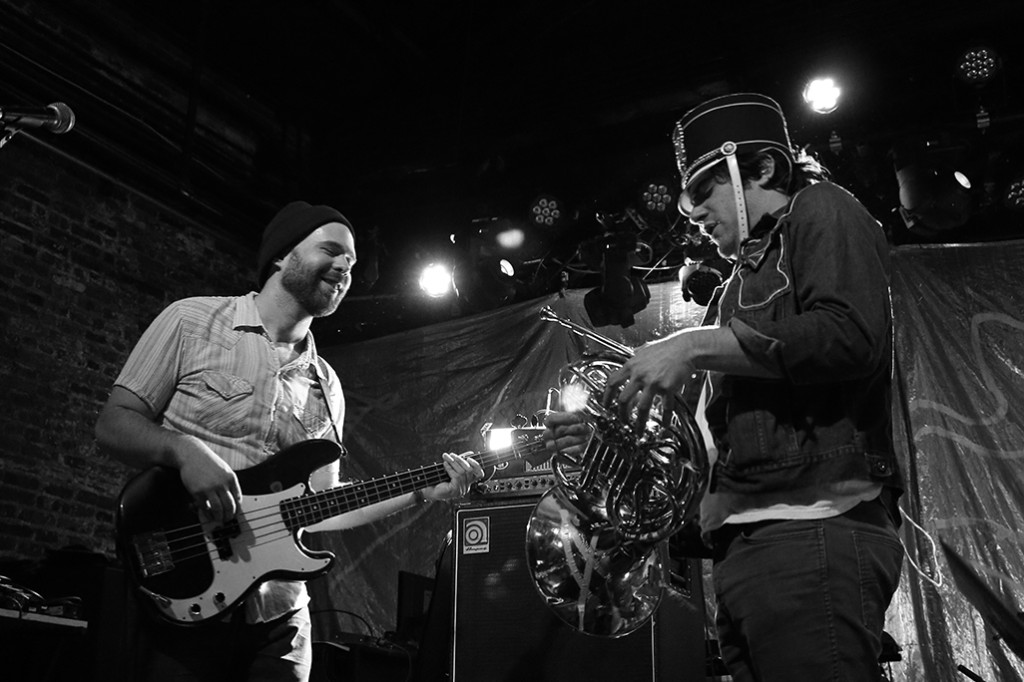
(222, 536)
(153, 553)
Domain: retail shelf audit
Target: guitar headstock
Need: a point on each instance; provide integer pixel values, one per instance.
(528, 443)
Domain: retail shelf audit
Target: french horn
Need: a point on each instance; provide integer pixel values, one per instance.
(596, 541)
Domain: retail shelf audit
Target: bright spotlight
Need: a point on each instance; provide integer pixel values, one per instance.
(822, 95)
(435, 280)
(506, 267)
(511, 238)
(499, 439)
(573, 397)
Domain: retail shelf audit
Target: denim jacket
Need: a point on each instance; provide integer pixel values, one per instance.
(808, 297)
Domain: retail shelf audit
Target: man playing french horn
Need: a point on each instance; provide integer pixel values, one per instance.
(800, 511)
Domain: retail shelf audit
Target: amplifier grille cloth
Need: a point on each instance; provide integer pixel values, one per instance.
(503, 630)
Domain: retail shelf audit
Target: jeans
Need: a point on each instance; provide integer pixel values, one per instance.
(231, 651)
(805, 600)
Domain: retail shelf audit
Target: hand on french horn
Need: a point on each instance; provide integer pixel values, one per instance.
(659, 368)
(462, 472)
(566, 433)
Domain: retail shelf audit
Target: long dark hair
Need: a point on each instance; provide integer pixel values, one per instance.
(791, 174)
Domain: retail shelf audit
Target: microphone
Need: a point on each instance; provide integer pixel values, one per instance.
(56, 118)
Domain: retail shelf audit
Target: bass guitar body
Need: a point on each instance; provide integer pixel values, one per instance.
(192, 570)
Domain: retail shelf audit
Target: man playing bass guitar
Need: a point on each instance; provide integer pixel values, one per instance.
(215, 387)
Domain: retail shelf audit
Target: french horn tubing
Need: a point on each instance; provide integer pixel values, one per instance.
(596, 542)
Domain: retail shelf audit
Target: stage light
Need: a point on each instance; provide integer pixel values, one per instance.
(934, 197)
(656, 197)
(484, 283)
(822, 95)
(499, 439)
(1013, 197)
(620, 295)
(546, 211)
(510, 238)
(699, 280)
(435, 280)
(616, 301)
(978, 65)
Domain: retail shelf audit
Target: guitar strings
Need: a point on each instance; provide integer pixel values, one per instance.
(190, 541)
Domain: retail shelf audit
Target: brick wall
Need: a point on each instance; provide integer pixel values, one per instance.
(85, 264)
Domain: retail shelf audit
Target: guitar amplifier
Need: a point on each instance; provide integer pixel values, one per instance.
(503, 631)
(517, 478)
(530, 482)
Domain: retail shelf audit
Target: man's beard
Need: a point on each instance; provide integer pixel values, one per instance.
(303, 282)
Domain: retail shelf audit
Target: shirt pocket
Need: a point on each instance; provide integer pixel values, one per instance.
(758, 289)
(313, 418)
(761, 429)
(223, 402)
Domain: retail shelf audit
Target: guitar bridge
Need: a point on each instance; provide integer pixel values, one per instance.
(153, 553)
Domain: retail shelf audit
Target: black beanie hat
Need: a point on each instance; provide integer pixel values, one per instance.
(289, 227)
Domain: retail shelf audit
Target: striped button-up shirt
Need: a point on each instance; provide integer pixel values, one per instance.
(208, 369)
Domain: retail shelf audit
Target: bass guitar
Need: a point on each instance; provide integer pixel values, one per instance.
(192, 570)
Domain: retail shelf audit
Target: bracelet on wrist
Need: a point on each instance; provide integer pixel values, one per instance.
(418, 498)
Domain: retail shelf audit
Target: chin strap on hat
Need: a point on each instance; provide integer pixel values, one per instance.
(729, 151)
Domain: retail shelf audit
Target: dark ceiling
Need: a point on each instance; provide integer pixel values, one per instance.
(428, 118)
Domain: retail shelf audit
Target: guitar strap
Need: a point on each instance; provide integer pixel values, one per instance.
(330, 411)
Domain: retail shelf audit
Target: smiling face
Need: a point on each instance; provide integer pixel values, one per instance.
(317, 272)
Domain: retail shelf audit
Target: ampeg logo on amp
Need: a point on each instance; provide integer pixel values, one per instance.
(476, 534)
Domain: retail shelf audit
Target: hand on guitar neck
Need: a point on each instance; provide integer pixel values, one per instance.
(462, 472)
(455, 473)
(193, 569)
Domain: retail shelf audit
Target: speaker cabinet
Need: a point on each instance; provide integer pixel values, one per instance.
(503, 631)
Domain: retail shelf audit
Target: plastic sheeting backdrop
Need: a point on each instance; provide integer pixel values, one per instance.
(412, 396)
(957, 425)
(959, 315)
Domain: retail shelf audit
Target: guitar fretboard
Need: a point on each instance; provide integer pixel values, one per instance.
(307, 510)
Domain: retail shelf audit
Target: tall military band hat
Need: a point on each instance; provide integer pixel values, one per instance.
(742, 122)
(720, 129)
